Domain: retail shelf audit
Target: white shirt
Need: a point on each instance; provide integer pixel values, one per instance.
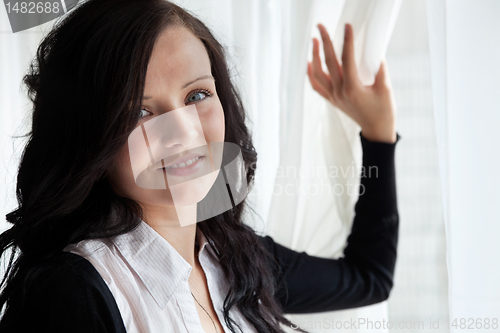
(149, 281)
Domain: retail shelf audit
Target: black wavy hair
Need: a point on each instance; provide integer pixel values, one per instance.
(86, 84)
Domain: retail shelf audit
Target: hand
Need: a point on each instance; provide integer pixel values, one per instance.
(372, 107)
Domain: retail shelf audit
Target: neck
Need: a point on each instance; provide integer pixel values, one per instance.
(177, 225)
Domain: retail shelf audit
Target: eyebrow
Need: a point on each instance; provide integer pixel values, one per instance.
(203, 77)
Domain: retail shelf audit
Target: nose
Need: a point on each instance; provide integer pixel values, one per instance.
(180, 128)
(173, 132)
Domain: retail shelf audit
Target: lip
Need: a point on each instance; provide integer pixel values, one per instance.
(186, 170)
(166, 163)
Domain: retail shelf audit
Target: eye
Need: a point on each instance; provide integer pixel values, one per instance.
(199, 92)
(144, 113)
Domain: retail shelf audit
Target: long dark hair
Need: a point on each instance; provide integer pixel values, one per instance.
(86, 83)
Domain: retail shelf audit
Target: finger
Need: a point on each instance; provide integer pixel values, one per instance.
(348, 61)
(330, 58)
(317, 69)
(314, 83)
(382, 80)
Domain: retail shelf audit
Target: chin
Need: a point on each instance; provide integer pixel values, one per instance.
(193, 191)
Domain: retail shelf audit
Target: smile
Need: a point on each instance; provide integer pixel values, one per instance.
(183, 164)
(184, 168)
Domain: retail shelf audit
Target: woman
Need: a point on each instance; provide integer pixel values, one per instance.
(98, 253)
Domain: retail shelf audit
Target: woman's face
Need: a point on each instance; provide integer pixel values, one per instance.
(181, 115)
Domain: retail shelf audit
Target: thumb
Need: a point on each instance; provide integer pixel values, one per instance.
(382, 76)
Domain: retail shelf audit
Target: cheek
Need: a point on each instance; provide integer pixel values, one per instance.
(213, 124)
(223, 126)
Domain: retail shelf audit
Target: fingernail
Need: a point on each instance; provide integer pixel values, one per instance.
(346, 27)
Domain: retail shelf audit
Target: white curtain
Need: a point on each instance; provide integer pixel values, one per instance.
(314, 213)
(464, 47)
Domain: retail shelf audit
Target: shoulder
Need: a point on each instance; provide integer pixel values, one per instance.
(64, 292)
(66, 276)
(100, 253)
(64, 270)
(71, 277)
(67, 266)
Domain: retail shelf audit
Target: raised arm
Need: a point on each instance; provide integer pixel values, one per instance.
(365, 274)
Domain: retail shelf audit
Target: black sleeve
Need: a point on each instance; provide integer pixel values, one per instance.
(364, 275)
(69, 295)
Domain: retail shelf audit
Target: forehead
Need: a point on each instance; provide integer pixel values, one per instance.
(178, 55)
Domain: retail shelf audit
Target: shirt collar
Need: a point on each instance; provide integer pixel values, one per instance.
(157, 263)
